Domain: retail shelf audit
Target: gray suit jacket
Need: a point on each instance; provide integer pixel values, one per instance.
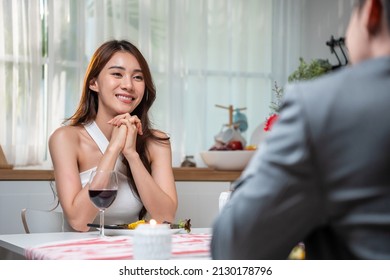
(322, 176)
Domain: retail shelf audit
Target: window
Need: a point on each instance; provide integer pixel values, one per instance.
(201, 53)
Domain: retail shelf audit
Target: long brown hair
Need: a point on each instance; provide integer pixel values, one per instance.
(88, 106)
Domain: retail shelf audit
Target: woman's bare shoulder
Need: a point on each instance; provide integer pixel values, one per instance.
(160, 134)
(63, 134)
(160, 142)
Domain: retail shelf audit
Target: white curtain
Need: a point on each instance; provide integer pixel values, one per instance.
(201, 53)
(211, 52)
(22, 106)
(287, 28)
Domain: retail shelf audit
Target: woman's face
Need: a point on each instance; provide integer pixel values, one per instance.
(120, 85)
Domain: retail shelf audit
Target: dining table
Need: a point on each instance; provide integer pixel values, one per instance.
(89, 246)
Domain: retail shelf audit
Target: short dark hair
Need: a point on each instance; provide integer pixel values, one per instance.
(386, 10)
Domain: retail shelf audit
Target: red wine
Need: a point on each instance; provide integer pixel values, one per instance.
(102, 199)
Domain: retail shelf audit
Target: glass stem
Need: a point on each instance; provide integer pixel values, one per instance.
(101, 222)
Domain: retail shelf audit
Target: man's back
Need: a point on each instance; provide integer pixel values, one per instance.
(322, 176)
(348, 116)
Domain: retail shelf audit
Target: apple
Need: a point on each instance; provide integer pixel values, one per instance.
(235, 145)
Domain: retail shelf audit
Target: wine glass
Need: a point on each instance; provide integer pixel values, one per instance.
(102, 189)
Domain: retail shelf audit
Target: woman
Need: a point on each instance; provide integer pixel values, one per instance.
(111, 130)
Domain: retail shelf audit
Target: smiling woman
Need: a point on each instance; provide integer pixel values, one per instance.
(110, 130)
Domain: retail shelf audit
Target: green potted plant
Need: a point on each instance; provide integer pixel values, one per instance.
(305, 71)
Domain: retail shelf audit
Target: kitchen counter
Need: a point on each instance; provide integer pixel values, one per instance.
(180, 173)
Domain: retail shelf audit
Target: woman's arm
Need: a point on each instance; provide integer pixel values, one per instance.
(64, 145)
(70, 150)
(157, 190)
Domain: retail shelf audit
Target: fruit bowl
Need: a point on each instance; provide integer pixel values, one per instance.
(227, 160)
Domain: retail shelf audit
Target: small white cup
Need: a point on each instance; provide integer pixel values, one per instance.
(152, 242)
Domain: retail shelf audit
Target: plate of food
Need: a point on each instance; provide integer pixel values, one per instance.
(128, 229)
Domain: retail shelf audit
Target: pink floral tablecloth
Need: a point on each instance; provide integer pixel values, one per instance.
(184, 246)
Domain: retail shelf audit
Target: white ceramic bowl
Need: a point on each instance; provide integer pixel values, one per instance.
(227, 160)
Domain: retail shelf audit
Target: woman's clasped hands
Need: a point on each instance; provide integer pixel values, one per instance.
(124, 134)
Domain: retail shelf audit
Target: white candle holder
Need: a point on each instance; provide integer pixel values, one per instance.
(152, 242)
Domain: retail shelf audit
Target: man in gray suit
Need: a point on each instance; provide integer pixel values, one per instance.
(323, 174)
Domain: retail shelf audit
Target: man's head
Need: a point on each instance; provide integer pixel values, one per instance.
(368, 33)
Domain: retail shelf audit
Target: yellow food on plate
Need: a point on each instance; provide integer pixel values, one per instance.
(184, 224)
(135, 224)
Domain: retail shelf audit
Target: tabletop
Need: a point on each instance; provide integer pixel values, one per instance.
(53, 245)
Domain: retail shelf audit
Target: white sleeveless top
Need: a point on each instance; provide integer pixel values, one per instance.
(126, 207)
